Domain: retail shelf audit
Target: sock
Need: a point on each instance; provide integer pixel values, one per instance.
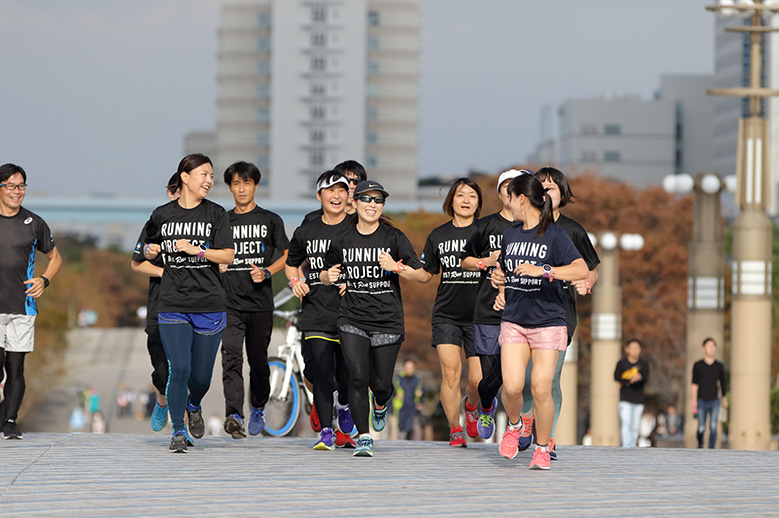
(191, 407)
(469, 407)
(162, 406)
(485, 410)
(516, 426)
(542, 448)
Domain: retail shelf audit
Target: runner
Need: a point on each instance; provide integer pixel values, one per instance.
(370, 317)
(21, 233)
(193, 236)
(159, 362)
(354, 173)
(320, 309)
(534, 253)
(558, 189)
(257, 234)
(481, 254)
(454, 304)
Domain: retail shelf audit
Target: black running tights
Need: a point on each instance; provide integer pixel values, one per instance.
(13, 363)
(491, 380)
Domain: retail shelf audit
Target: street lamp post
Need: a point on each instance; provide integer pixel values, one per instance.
(752, 234)
(607, 339)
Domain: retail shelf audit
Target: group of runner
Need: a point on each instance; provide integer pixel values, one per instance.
(506, 297)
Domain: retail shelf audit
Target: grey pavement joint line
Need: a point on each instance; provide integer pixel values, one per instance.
(6, 488)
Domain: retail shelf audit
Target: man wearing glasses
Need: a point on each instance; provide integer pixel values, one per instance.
(21, 234)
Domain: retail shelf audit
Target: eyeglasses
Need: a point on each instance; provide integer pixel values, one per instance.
(367, 199)
(354, 181)
(14, 186)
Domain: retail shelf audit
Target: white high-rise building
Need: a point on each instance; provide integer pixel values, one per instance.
(306, 84)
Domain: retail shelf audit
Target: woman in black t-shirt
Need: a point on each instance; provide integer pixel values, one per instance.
(454, 303)
(193, 235)
(370, 257)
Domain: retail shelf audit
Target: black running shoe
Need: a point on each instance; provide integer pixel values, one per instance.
(234, 426)
(11, 431)
(178, 444)
(197, 427)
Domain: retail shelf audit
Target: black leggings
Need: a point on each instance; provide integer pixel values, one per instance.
(368, 367)
(159, 362)
(14, 382)
(329, 370)
(491, 379)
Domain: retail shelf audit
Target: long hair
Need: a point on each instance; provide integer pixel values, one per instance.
(453, 190)
(532, 188)
(187, 164)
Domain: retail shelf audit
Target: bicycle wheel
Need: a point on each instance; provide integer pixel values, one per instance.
(283, 408)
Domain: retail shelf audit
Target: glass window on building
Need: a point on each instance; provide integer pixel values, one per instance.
(373, 66)
(589, 156)
(612, 129)
(263, 114)
(317, 157)
(262, 162)
(263, 44)
(318, 13)
(612, 156)
(263, 138)
(263, 91)
(263, 68)
(317, 112)
(371, 161)
(373, 18)
(318, 39)
(317, 135)
(264, 20)
(373, 42)
(371, 137)
(371, 90)
(318, 87)
(372, 113)
(318, 63)
(589, 129)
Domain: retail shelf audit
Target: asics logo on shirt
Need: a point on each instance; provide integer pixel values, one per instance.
(28, 221)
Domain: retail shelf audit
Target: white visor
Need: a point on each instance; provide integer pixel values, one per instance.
(332, 180)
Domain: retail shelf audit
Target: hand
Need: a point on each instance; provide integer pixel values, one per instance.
(36, 286)
(222, 268)
(151, 251)
(387, 262)
(724, 402)
(300, 289)
(636, 378)
(185, 246)
(529, 270)
(258, 274)
(492, 260)
(500, 302)
(498, 277)
(342, 289)
(582, 287)
(333, 273)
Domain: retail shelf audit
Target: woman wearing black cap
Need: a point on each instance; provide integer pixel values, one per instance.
(370, 257)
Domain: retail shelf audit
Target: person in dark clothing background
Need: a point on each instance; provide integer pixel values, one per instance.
(632, 373)
(705, 392)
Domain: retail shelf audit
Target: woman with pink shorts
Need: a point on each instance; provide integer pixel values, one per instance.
(536, 256)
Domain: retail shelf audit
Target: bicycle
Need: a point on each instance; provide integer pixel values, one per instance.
(288, 392)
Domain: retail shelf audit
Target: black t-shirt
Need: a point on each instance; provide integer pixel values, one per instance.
(706, 377)
(257, 235)
(486, 237)
(154, 282)
(632, 392)
(311, 216)
(372, 301)
(20, 236)
(456, 294)
(310, 242)
(534, 301)
(190, 284)
(583, 244)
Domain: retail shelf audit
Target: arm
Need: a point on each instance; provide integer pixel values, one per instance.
(215, 255)
(297, 281)
(146, 268)
(584, 286)
(472, 263)
(577, 270)
(36, 285)
(406, 272)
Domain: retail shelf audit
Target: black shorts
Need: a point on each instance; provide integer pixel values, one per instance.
(461, 335)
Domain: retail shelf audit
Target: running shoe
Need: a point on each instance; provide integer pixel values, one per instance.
(526, 439)
(551, 449)
(471, 418)
(457, 437)
(540, 459)
(234, 426)
(486, 424)
(257, 421)
(364, 446)
(315, 424)
(11, 431)
(190, 440)
(345, 421)
(159, 417)
(508, 445)
(197, 427)
(378, 418)
(326, 440)
(178, 444)
(343, 440)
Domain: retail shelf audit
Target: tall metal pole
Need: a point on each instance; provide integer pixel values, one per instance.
(752, 233)
(567, 425)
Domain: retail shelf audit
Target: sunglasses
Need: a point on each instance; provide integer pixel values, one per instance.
(354, 181)
(367, 199)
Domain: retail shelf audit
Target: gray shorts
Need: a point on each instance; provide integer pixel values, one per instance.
(17, 333)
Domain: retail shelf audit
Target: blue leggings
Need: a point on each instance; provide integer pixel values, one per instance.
(557, 393)
(191, 359)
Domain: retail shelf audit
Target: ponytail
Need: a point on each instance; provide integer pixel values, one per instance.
(547, 216)
(532, 188)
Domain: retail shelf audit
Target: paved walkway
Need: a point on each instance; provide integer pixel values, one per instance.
(134, 475)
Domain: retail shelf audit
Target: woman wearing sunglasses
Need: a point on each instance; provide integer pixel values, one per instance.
(370, 257)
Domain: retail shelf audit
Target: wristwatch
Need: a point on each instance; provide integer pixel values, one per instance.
(45, 281)
(203, 247)
(267, 273)
(548, 272)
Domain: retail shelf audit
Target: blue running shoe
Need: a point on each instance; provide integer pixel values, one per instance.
(234, 426)
(257, 421)
(190, 440)
(526, 438)
(364, 446)
(486, 424)
(326, 440)
(378, 418)
(197, 426)
(159, 417)
(345, 421)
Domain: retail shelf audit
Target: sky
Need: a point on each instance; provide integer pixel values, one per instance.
(96, 96)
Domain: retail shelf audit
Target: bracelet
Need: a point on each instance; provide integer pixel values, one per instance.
(589, 288)
(45, 281)
(481, 264)
(401, 267)
(292, 281)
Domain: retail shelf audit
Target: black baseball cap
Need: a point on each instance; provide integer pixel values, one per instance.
(369, 185)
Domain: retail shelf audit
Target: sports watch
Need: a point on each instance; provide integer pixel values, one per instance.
(203, 247)
(548, 272)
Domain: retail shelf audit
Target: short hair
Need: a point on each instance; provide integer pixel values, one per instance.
(453, 190)
(8, 170)
(244, 171)
(708, 338)
(634, 340)
(557, 176)
(353, 166)
(187, 164)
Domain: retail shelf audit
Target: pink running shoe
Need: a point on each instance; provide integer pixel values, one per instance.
(509, 445)
(540, 459)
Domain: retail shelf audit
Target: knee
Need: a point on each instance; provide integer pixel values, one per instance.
(540, 393)
(512, 390)
(179, 374)
(450, 375)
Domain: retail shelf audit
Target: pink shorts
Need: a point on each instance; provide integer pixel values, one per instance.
(551, 338)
